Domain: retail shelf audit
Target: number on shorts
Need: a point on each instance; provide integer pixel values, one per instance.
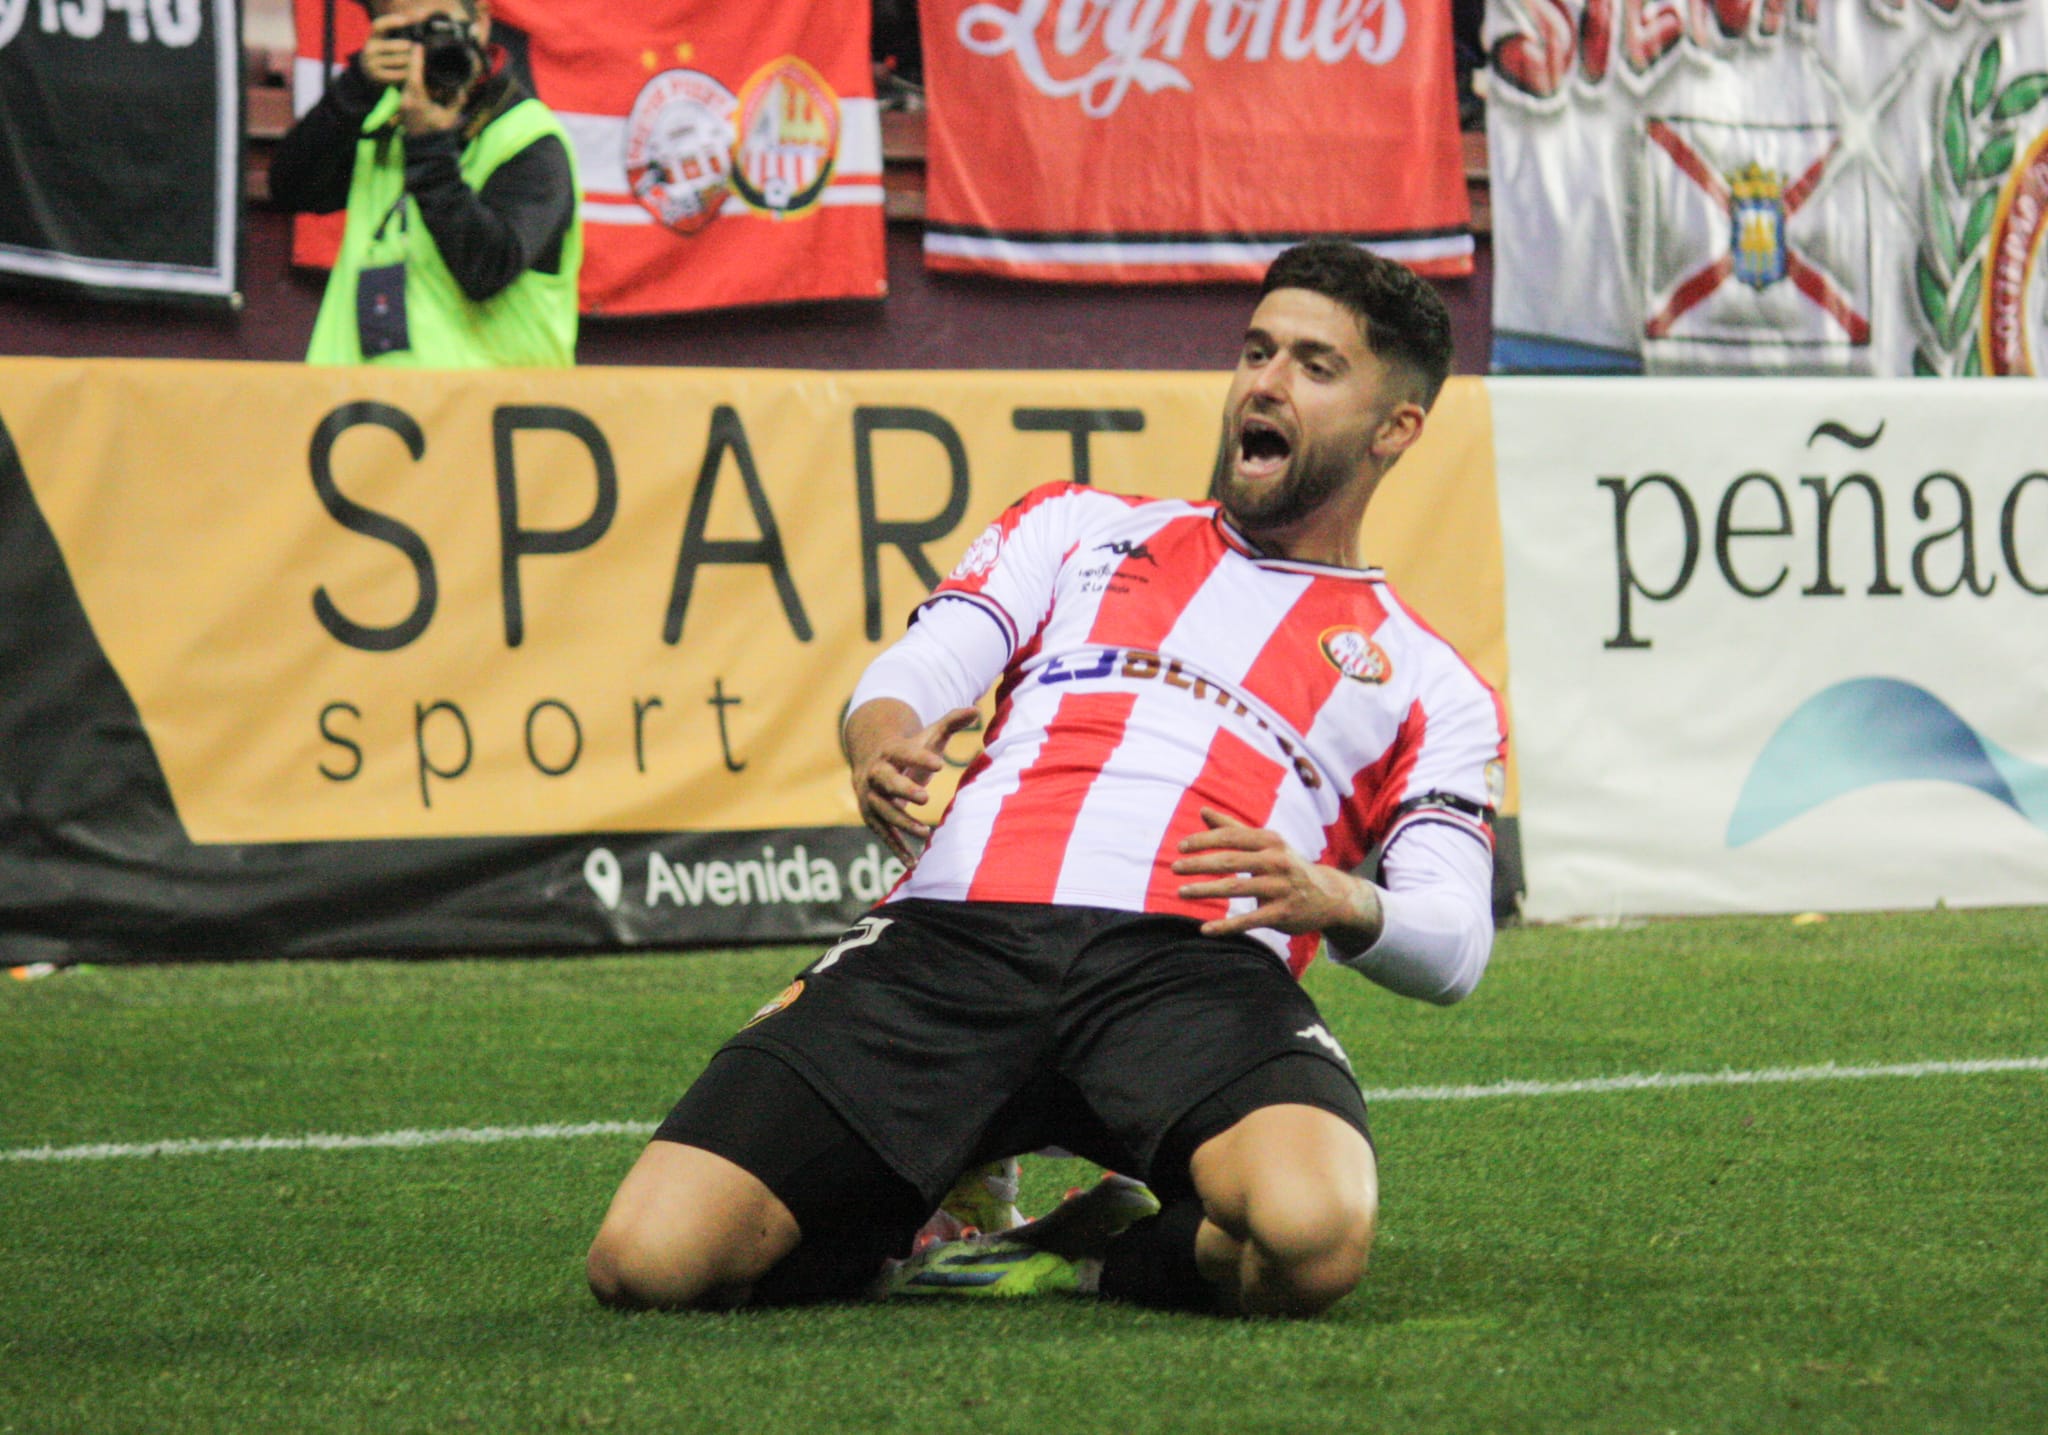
(864, 933)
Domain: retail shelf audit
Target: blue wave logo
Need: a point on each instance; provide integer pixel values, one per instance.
(1871, 730)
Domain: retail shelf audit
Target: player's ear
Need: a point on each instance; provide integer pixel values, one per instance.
(1398, 431)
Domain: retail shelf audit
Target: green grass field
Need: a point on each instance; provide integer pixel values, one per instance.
(1840, 1252)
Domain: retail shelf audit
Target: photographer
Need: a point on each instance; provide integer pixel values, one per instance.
(463, 237)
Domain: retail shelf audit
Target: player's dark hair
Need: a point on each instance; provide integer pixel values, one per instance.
(1404, 319)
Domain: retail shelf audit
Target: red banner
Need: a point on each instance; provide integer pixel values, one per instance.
(1143, 141)
(728, 154)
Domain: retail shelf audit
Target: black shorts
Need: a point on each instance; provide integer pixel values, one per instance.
(948, 1033)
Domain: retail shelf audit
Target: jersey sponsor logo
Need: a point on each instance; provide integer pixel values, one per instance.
(781, 1000)
(1143, 665)
(1354, 654)
(981, 554)
(1065, 668)
(1108, 577)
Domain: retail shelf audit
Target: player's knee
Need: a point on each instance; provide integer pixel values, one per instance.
(630, 1270)
(1314, 1243)
(603, 1269)
(686, 1228)
(619, 1271)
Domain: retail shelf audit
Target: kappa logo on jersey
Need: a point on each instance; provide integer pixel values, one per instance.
(1320, 1035)
(782, 999)
(1351, 652)
(981, 554)
(679, 144)
(1125, 548)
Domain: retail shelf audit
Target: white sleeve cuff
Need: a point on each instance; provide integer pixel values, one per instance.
(1436, 901)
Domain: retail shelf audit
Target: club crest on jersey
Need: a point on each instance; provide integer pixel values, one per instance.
(1354, 654)
(981, 554)
(781, 1000)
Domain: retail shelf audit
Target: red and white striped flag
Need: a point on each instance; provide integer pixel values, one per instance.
(729, 154)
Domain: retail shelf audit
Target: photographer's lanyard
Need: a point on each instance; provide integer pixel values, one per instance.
(381, 324)
(398, 212)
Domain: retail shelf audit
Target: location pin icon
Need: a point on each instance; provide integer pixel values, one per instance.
(601, 871)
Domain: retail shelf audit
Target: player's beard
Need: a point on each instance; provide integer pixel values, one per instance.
(1312, 477)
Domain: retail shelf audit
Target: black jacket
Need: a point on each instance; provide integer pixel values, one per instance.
(488, 237)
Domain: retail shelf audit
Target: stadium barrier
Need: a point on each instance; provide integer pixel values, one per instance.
(1779, 645)
(315, 661)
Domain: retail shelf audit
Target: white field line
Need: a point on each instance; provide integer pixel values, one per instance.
(490, 1135)
(400, 1140)
(1677, 1080)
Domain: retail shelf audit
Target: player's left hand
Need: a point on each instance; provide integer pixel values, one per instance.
(1294, 895)
(419, 111)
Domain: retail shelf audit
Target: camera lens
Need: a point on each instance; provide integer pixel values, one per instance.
(448, 60)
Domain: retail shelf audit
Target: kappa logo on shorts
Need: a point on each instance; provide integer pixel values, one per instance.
(1320, 1035)
(782, 999)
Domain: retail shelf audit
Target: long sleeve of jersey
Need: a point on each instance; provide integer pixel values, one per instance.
(951, 653)
(1437, 900)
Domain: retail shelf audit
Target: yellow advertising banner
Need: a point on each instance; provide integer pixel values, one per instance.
(356, 604)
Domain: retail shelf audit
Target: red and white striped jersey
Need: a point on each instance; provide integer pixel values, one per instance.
(1159, 664)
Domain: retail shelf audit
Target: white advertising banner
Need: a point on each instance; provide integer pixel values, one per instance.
(1769, 186)
(1777, 646)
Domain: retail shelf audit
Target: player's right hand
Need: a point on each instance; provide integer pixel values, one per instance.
(890, 777)
(387, 60)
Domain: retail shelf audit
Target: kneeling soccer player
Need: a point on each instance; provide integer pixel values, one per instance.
(1208, 715)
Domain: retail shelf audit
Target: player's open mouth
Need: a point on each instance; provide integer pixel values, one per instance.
(1261, 448)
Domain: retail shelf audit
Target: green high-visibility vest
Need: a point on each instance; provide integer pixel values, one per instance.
(530, 323)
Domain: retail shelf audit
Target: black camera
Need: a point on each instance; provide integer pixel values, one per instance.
(450, 57)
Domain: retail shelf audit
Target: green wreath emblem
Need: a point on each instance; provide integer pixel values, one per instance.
(1978, 141)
